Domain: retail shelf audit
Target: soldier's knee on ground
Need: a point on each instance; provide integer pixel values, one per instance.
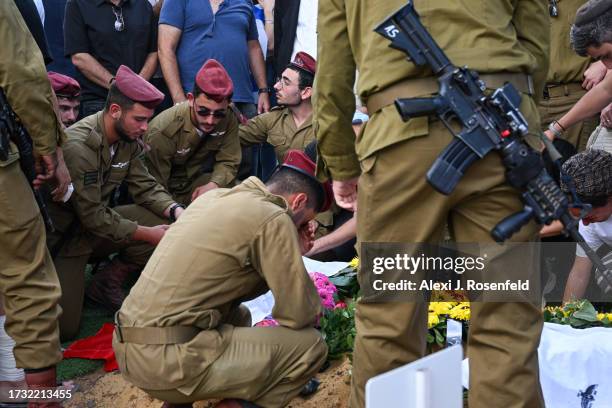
(314, 352)
(71, 273)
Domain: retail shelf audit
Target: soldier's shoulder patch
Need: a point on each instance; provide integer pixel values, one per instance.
(90, 177)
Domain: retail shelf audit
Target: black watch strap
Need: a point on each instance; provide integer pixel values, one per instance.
(173, 211)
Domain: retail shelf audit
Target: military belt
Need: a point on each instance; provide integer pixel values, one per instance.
(155, 335)
(423, 86)
(552, 90)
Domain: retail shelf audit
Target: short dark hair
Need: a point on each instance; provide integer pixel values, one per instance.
(117, 97)
(305, 79)
(197, 91)
(289, 181)
(592, 34)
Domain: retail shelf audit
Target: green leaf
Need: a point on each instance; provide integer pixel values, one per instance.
(439, 337)
(578, 323)
(350, 341)
(430, 338)
(586, 312)
(341, 280)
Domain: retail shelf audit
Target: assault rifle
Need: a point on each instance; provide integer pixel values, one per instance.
(489, 121)
(12, 129)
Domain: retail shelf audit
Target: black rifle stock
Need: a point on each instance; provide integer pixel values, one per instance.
(488, 122)
(11, 128)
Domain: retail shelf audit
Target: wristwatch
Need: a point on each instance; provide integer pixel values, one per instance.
(263, 90)
(173, 211)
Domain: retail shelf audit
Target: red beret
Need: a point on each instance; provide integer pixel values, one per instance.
(214, 81)
(298, 160)
(304, 62)
(137, 88)
(64, 85)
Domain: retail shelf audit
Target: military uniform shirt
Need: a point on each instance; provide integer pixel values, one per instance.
(229, 246)
(277, 127)
(95, 176)
(565, 65)
(18, 76)
(490, 37)
(178, 154)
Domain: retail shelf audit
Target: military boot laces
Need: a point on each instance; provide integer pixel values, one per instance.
(106, 288)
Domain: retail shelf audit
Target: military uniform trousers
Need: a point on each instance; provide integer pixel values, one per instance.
(264, 365)
(71, 257)
(402, 207)
(558, 100)
(28, 279)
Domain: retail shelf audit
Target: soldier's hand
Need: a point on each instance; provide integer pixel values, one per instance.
(345, 193)
(179, 98)
(263, 103)
(203, 189)
(45, 169)
(606, 116)
(594, 74)
(306, 234)
(62, 177)
(152, 235)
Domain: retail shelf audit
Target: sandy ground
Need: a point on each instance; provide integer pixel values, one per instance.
(100, 390)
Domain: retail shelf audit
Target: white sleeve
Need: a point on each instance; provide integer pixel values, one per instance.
(590, 236)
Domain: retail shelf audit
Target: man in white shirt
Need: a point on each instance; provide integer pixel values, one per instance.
(306, 30)
(591, 172)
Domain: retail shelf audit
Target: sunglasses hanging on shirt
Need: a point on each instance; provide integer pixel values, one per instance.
(119, 23)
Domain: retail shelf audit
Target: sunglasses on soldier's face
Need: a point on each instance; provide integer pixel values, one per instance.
(205, 112)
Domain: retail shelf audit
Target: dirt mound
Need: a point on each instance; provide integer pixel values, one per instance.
(99, 390)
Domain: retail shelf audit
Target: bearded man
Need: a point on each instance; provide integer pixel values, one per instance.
(101, 153)
(194, 146)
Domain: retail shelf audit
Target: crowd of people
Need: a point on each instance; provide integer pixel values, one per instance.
(205, 147)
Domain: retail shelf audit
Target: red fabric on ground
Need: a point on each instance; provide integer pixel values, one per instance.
(96, 347)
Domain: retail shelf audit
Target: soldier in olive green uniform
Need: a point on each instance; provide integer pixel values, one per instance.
(507, 41)
(28, 281)
(569, 76)
(101, 153)
(182, 334)
(288, 126)
(194, 146)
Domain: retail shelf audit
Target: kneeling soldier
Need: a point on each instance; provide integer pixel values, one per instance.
(194, 146)
(101, 153)
(182, 334)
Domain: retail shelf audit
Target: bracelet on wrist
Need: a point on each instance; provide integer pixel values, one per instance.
(263, 90)
(556, 122)
(556, 132)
